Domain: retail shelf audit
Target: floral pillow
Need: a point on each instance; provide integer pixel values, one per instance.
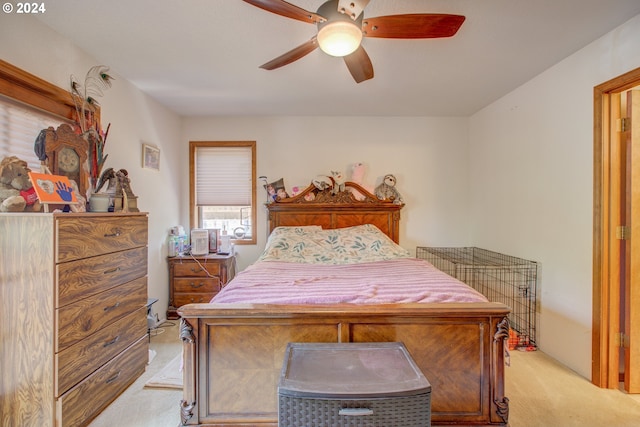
(358, 244)
(294, 232)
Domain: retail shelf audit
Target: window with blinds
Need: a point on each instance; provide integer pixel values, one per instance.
(223, 187)
(19, 126)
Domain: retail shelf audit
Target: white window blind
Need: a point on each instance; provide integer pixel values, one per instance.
(223, 176)
(19, 127)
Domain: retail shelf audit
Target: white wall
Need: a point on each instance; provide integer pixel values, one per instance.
(428, 156)
(135, 118)
(532, 184)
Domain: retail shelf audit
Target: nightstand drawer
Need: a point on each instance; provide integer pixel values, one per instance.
(83, 278)
(193, 269)
(196, 284)
(84, 237)
(183, 299)
(78, 321)
(78, 361)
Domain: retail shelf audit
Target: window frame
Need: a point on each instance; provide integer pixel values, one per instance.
(28, 89)
(38, 94)
(193, 209)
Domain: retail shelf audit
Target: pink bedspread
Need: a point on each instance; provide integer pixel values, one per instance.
(402, 280)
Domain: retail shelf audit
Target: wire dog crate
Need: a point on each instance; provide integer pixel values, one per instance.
(501, 278)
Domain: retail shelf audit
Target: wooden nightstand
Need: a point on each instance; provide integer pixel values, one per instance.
(196, 279)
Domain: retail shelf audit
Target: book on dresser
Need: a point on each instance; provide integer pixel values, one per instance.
(73, 326)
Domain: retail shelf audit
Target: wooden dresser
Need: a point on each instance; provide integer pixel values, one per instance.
(196, 279)
(73, 323)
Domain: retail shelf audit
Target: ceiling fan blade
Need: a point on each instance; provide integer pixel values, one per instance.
(412, 26)
(293, 55)
(359, 65)
(282, 8)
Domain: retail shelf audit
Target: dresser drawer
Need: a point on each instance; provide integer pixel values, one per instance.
(78, 361)
(83, 402)
(196, 284)
(81, 319)
(84, 237)
(182, 299)
(82, 278)
(193, 269)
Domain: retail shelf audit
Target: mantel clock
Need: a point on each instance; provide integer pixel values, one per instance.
(67, 154)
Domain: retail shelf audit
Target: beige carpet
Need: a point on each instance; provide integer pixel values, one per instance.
(542, 393)
(168, 377)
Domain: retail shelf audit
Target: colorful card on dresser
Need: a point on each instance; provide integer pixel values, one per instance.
(53, 188)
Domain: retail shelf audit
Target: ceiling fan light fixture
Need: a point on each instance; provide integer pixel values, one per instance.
(339, 38)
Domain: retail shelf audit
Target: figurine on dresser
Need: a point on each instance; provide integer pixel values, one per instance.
(128, 202)
(118, 186)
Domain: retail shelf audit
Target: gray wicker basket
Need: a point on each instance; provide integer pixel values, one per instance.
(352, 385)
(410, 411)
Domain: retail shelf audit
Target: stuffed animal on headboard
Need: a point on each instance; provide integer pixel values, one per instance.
(387, 190)
(335, 182)
(322, 182)
(338, 182)
(357, 176)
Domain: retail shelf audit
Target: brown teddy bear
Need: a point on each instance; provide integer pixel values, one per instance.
(16, 190)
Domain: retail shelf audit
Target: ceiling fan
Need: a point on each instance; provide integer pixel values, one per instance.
(341, 27)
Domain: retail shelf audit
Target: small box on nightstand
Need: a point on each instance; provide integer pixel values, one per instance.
(352, 385)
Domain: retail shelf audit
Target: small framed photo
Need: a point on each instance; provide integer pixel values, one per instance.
(214, 240)
(150, 157)
(276, 190)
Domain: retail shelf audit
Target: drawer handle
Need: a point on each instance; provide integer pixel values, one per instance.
(116, 233)
(111, 270)
(199, 285)
(355, 412)
(113, 378)
(113, 341)
(116, 305)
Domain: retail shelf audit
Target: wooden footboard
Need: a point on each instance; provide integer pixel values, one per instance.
(233, 355)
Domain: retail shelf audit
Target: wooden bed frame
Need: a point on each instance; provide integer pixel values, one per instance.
(233, 353)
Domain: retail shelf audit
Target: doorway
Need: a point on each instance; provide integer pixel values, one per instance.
(615, 238)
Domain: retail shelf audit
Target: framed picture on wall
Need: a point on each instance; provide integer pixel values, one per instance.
(150, 157)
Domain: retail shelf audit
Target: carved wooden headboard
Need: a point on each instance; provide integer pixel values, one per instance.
(339, 210)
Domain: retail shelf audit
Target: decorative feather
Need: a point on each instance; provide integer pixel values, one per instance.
(85, 97)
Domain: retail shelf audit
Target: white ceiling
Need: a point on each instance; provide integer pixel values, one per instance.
(201, 57)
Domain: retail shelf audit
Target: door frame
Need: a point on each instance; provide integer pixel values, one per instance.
(606, 253)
